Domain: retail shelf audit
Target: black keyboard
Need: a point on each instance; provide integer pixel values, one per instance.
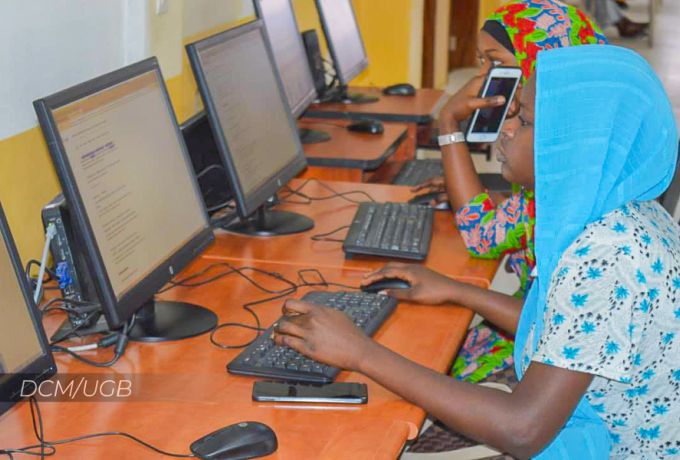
(399, 230)
(415, 172)
(263, 358)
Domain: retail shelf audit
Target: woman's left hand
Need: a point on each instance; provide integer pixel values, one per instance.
(321, 333)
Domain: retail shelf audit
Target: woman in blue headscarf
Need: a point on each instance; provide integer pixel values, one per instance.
(597, 338)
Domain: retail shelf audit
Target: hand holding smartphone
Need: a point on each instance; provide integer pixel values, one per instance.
(339, 392)
(485, 124)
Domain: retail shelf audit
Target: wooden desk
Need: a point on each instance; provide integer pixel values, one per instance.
(447, 253)
(408, 109)
(182, 391)
(414, 110)
(352, 156)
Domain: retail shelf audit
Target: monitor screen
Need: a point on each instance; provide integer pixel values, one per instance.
(132, 176)
(289, 52)
(126, 174)
(343, 37)
(251, 120)
(23, 348)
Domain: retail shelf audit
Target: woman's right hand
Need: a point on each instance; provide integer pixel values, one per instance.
(427, 286)
(462, 105)
(433, 185)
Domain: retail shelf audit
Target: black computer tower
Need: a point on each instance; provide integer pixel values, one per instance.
(311, 41)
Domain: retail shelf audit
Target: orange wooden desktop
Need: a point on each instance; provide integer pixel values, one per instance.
(447, 254)
(182, 391)
(353, 156)
(415, 110)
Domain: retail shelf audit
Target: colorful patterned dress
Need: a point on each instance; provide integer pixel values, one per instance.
(491, 232)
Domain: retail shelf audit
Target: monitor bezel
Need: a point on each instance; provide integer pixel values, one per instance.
(116, 311)
(343, 78)
(302, 105)
(41, 368)
(245, 205)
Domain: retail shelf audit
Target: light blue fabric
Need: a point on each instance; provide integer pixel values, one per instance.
(604, 135)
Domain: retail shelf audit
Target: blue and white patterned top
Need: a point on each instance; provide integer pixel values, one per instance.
(613, 310)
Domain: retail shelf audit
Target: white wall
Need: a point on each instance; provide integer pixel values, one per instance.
(48, 45)
(202, 15)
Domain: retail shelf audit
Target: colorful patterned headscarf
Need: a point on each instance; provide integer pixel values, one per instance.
(535, 25)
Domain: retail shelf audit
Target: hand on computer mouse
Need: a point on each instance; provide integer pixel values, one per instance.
(427, 286)
(321, 333)
(433, 184)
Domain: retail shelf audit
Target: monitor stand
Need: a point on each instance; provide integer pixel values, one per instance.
(341, 95)
(157, 321)
(77, 326)
(162, 320)
(267, 222)
(313, 136)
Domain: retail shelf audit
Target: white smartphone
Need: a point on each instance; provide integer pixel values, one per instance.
(486, 124)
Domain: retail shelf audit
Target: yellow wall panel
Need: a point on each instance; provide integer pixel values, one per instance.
(387, 26)
(27, 183)
(486, 7)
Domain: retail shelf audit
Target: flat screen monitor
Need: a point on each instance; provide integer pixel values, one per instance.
(345, 44)
(289, 52)
(291, 60)
(24, 350)
(135, 203)
(252, 125)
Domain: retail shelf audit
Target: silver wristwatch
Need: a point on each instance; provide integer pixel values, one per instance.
(453, 138)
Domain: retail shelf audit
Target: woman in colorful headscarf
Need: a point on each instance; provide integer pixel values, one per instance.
(512, 36)
(599, 333)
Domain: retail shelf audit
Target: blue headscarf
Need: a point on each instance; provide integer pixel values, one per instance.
(605, 135)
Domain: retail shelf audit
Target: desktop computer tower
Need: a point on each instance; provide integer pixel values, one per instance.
(74, 279)
(205, 159)
(311, 42)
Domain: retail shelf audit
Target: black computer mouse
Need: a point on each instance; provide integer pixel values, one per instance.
(236, 442)
(401, 89)
(425, 199)
(367, 126)
(384, 284)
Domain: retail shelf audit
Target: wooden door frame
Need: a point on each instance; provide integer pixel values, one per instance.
(429, 26)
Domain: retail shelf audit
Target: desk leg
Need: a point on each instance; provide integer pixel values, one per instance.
(386, 173)
(407, 149)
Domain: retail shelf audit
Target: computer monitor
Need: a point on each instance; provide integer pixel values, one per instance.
(252, 125)
(291, 60)
(132, 194)
(346, 46)
(24, 350)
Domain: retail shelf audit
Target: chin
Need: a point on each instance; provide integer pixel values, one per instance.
(507, 173)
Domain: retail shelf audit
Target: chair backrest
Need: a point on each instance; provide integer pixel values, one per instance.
(671, 199)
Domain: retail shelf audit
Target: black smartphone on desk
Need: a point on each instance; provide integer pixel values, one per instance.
(337, 393)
